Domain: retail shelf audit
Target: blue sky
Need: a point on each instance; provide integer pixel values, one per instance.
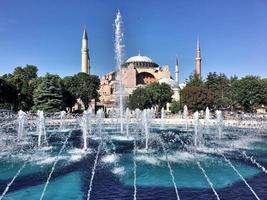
(233, 34)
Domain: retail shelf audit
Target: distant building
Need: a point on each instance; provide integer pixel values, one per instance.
(137, 71)
(261, 109)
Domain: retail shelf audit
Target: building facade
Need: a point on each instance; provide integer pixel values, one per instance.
(137, 71)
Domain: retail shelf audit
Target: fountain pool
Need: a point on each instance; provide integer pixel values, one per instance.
(169, 162)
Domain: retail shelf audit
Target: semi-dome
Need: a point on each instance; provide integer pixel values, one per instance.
(140, 61)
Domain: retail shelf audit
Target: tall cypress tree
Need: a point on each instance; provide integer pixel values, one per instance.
(48, 96)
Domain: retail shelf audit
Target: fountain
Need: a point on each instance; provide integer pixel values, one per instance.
(219, 119)
(21, 122)
(162, 117)
(185, 115)
(157, 159)
(118, 56)
(207, 120)
(196, 125)
(85, 127)
(127, 119)
(146, 126)
(40, 126)
(62, 120)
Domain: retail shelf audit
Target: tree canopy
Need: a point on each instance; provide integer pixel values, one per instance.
(21, 79)
(83, 86)
(48, 96)
(155, 94)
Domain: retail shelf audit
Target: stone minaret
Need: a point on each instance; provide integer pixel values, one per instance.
(198, 61)
(85, 54)
(176, 72)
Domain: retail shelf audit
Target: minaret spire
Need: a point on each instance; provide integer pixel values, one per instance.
(176, 72)
(85, 66)
(198, 60)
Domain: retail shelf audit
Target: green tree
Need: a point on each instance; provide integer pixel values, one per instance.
(250, 92)
(8, 95)
(175, 107)
(20, 79)
(140, 98)
(48, 96)
(194, 80)
(82, 86)
(197, 97)
(220, 87)
(161, 94)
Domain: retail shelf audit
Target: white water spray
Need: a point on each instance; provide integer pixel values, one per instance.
(127, 118)
(54, 166)
(196, 124)
(21, 122)
(162, 117)
(185, 115)
(40, 126)
(118, 56)
(207, 120)
(237, 172)
(254, 162)
(219, 118)
(62, 120)
(93, 171)
(208, 180)
(170, 168)
(135, 167)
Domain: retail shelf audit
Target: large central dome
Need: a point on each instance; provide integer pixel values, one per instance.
(140, 61)
(139, 58)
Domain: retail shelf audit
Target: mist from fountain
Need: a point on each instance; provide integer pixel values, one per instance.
(21, 122)
(41, 131)
(118, 57)
(127, 121)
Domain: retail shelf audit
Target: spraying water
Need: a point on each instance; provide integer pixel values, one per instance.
(127, 118)
(100, 117)
(162, 117)
(118, 56)
(219, 119)
(196, 123)
(62, 120)
(237, 172)
(254, 162)
(93, 171)
(40, 126)
(170, 168)
(21, 122)
(208, 180)
(135, 167)
(146, 126)
(185, 115)
(54, 166)
(85, 126)
(207, 120)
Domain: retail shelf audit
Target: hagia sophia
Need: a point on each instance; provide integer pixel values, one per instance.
(136, 71)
